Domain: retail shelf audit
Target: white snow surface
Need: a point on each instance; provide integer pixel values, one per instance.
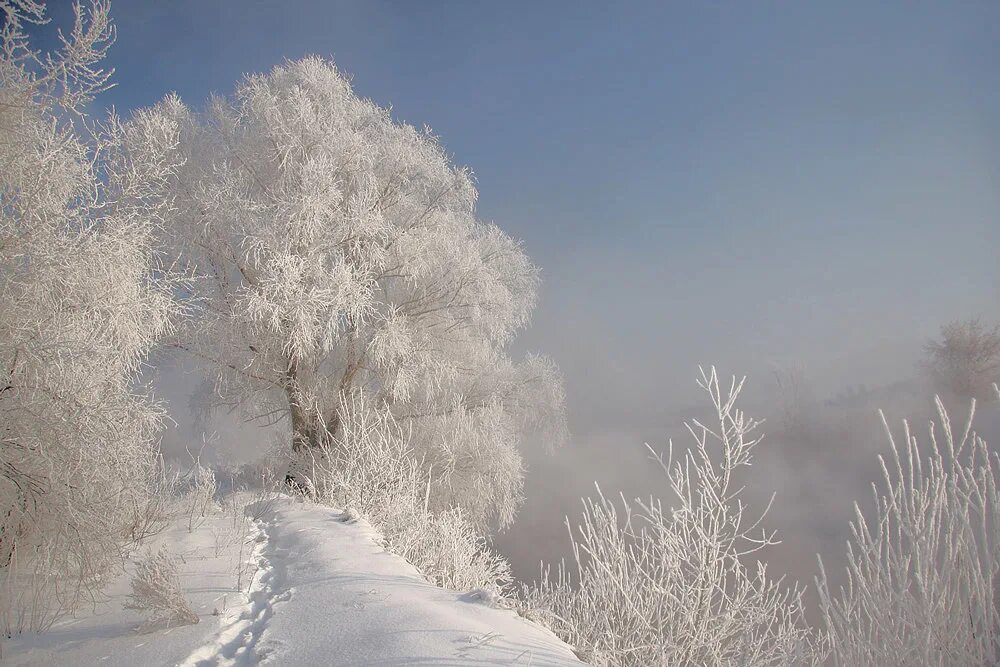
(324, 593)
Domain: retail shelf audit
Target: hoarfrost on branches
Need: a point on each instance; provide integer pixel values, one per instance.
(966, 360)
(336, 251)
(923, 573)
(79, 311)
(156, 591)
(658, 583)
(370, 471)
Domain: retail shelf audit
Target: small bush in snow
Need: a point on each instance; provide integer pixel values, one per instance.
(154, 513)
(200, 495)
(370, 471)
(446, 547)
(156, 591)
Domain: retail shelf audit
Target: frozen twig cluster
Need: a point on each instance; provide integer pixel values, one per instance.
(156, 591)
(924, 567)
(657, 583)
(681, 584)
(200, 494)
(370, 471)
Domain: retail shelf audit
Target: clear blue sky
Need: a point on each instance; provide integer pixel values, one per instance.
(756, 184)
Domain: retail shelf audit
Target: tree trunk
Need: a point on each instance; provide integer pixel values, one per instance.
(309, 430)
(303, 430)
(305, 426)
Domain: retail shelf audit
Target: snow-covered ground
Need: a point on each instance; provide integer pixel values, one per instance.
(321, 591)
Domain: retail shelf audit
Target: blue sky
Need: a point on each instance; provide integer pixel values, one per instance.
(761, 185)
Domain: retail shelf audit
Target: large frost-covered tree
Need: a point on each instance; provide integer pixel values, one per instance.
(78, 312)
(338, 251)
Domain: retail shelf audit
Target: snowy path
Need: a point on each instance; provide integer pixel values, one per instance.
(327, 594)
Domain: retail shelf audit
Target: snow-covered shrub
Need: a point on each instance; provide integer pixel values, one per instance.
(264, 472)
(154, 512)
(79, 311)
(337, 250)
(656, 583)
(923, 575)
(157, 593)
(369, 470)
(199, 496)
(447, 548)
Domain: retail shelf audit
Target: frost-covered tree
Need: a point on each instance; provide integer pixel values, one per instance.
(79, 310)
(966, 359)
(679, 581)
(337, 250)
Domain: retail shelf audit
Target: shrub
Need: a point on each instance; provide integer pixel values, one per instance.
(156, 591)
(655, 584)
(370, 471)
(923, 576)
(199, 497)
(966, 360)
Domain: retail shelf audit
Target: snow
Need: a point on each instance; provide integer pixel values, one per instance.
(324, 593)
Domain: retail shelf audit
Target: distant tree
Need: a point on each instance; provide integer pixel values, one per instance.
(966, 360)
(338, 251)
(796, 402)
(79, 310)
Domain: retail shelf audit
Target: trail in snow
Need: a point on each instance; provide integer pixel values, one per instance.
(236, 642)
(327, 594)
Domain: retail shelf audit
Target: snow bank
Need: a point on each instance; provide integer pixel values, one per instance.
(106, 634)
